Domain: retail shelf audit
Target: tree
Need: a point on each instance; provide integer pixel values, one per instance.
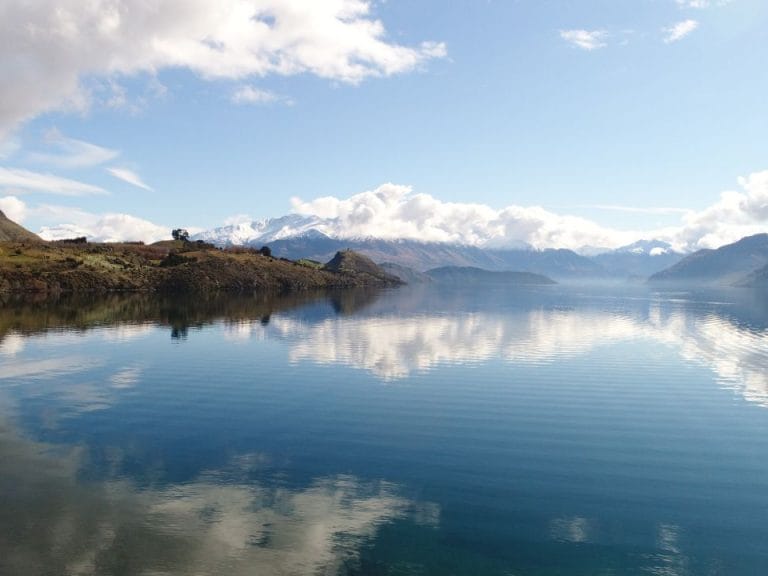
(180, 234)
(265, 251)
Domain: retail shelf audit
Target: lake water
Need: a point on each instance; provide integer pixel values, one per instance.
(413, 431)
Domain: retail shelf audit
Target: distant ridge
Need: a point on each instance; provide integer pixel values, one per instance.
(12, 232)
(729, 264)
(474, 276)
(421, 256)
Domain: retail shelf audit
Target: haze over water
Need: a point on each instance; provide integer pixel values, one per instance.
(414, 431)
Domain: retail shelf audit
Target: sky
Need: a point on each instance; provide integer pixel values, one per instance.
(551, 122)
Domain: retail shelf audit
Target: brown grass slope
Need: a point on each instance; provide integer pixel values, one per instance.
(12, 232)
(360, 267)
(55, 267)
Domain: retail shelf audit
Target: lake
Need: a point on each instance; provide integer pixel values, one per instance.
(424, 431)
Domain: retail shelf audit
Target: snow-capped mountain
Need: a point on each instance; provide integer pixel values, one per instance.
(296, 236)
(263, 231)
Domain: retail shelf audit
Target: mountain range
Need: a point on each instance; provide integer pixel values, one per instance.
(295, 236)
(742, 263)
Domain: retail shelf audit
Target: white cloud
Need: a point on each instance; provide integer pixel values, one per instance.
(98, 227)
(251, 95)
(27, 181)
(13, 208)
(735, 215)
(50, 46)
(129, 176)
(72, 153)
(393, 212)
(679, 31)
(585, 39)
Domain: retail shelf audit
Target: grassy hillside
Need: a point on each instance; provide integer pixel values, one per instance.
(171, 267)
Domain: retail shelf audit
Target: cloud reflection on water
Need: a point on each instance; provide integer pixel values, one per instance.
(432, 329)
(393, 347)
(218, 523)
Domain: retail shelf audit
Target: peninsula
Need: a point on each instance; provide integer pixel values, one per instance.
(29, 264)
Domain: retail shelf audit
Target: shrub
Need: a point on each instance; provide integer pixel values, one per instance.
(180, 234)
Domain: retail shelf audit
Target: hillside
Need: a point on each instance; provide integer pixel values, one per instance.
(170, 267)
(469, 275)
(12, 232)
(360, 267)
(727, 265)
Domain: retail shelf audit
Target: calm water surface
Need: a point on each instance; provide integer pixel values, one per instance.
(417, 431)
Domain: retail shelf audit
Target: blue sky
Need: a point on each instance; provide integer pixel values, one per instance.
(599, 122)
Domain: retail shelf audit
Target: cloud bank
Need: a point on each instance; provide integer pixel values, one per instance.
(51, 49)
(111, 227)
(393, 212)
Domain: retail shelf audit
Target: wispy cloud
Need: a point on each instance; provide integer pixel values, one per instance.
(19, 180)
(585, 39)
(251, 95)
(72, 153)
(701, 4)
(679, 31)
(8, 147)
(638, 209)
(128, 176)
